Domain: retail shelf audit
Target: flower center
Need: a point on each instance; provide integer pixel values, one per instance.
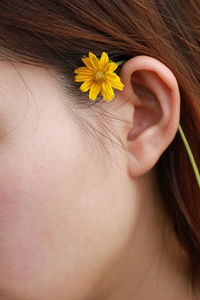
(99, 75)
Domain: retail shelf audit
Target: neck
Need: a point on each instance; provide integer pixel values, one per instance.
(152, 265)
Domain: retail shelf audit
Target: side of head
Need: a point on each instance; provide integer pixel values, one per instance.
(74, 172)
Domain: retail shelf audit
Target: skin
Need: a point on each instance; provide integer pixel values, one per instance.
(73, 226)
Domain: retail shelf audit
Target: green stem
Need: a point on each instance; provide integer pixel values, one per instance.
(196, 171)
(120, 62)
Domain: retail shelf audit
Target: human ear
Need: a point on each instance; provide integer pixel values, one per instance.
(154, 104)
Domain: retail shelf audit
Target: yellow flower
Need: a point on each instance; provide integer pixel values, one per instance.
(98, 76)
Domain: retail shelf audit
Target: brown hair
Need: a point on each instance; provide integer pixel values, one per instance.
(58, 33)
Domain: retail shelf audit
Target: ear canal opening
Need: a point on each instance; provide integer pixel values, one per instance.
(147, 109)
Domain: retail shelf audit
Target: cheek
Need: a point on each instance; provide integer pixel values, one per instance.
(37, 185)
(55, 220)
(48, 214)
(24, 235)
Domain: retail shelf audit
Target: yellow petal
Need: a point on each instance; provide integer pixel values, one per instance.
(111, 67)
(113, 77)
(87, 62)
(115, 81)
(86, 85)
(107, 91)
(81, 78)
(104, 61)
(94, 90)
(94, 61)
(83, 70)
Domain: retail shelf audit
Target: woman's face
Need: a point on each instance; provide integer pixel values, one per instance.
(65, 215)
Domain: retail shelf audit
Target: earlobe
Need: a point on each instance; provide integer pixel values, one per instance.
(156, 110)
